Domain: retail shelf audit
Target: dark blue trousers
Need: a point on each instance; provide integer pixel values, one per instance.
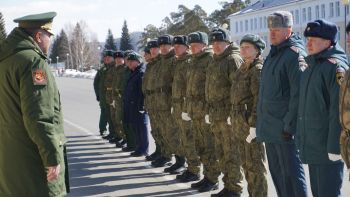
(286, 170)
(326, 179)
(103, 120)
(142, 128)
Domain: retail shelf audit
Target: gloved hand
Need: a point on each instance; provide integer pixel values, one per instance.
(252, 135)
(171, 110)
(141, 112)
(207, 121)
(334, 157)
(287, 136)
(113, 104)
(229, 120)
(185, 116)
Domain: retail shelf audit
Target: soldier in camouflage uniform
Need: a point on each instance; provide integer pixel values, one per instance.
(149, 79)
(226, 60)
(344, 110)
(118, 84)
(196, 108)
(246, 151)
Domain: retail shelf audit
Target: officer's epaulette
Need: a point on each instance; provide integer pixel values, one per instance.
(295, 49)
(332, 60)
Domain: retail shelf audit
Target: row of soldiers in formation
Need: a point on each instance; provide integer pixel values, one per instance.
(217, 105)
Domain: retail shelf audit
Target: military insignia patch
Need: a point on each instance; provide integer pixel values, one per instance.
(295, 49)
(302, 63)
(39, 77)
(340, 73)
(332, 60)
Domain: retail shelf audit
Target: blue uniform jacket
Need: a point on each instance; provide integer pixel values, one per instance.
(278, 93)
(318, 127)
(133, 97)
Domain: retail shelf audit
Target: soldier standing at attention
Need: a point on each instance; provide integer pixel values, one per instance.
(196, 108)
(247, 152)
(226, 60)
(278, 105)
(345, 112)
(32, 136)
(187, 143)
(318, 126)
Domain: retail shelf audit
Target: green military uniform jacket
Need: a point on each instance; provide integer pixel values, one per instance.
(31, 122)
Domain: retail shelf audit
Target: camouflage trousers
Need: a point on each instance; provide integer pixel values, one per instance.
(109, 120)
(187, 140)
(155, 129)
(170, 133)
(345, 147)
(249, 156)
(205, 148)
(117, 119)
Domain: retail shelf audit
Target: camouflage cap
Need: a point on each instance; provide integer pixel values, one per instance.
(43, 21)
(165, 39)
(198, 37)
(280, 19)
(220, 34)
(119, 54)
(255, 40)
(180, 39)
(134, 56)
(108, 53)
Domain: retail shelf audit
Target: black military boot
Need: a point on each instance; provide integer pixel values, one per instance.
(160, 162)
(177, 167)
(232, 194)
(155, 155)
(222, 193)
(188, 177)
(199, 183)
(120, 143)
(208, 186)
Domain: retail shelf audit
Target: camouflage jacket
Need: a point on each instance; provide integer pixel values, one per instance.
(344, 109)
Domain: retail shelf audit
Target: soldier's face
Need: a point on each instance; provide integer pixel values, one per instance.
(219, 47)
(348, 42)
(248, 51)
(165, 48)
(196, 47)
(278, 35)
(147, 56)
(42, 38)
(180, 49)
(119, 61)
(154, 52)
(315, 45)
(108, 59)
(132, 64)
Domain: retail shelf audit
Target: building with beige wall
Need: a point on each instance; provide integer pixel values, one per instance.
(253, 18)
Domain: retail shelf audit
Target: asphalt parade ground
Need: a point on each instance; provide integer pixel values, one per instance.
(98, 168)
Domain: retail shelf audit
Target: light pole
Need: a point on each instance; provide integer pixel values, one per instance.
(82, 60)
(99, 56)
(346, 4)
(67, 60)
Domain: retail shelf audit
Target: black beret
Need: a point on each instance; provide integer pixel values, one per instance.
(119, 54)
(220, 34)
(108, 53)
(165, 39)
(255, 40)
(152, 44)
(322, 29)
(180, 39)
(198, 37)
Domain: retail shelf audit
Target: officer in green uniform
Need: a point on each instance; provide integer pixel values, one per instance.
(344, 104)
(32, 135)
(318, 126)
(246, 152)
(226, 60)
(97, 88)
(118, 84)
(196, 108)
(148, 84)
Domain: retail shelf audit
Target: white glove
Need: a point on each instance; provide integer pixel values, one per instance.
(113, 103)
(334, 157)
(171, 110)
(207, 121)
(141, 112)
(185, 116)
(229, 120)
(252, 134)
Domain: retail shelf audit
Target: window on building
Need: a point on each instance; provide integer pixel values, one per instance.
(304, 14)
(296, 16)
(317, 11)
(265, 22)
(251, 24)
(323, 11)
(337, 8)
(241, 26)
(292, 15)
(331, 10)
(236, 26)
(246, 25)
(255, 23)
(309, 14)
(260, 23)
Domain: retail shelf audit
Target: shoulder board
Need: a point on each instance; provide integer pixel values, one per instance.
(258, 66)
(332, 60)
(295, 49)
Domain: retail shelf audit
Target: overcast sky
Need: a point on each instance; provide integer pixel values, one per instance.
(100, 15)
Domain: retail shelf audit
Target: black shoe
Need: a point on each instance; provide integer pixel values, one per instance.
(231, 194)
(189, 177)
(118, 144)
(181, 176)
(127, 149)
(208, 186)
(103, 133)
(175, 167)
(199, 183)
(113, 140)
(155, 155)
(108, 137)
(222, 193)
(160, 162)
(137, 154)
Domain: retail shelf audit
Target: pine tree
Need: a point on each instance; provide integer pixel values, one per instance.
(2, 28)
(125, 41)
(110, 45)
(219, 17)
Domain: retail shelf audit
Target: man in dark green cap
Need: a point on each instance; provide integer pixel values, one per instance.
(32, 136)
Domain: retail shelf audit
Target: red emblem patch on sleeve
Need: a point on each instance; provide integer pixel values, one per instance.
(39, 77)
